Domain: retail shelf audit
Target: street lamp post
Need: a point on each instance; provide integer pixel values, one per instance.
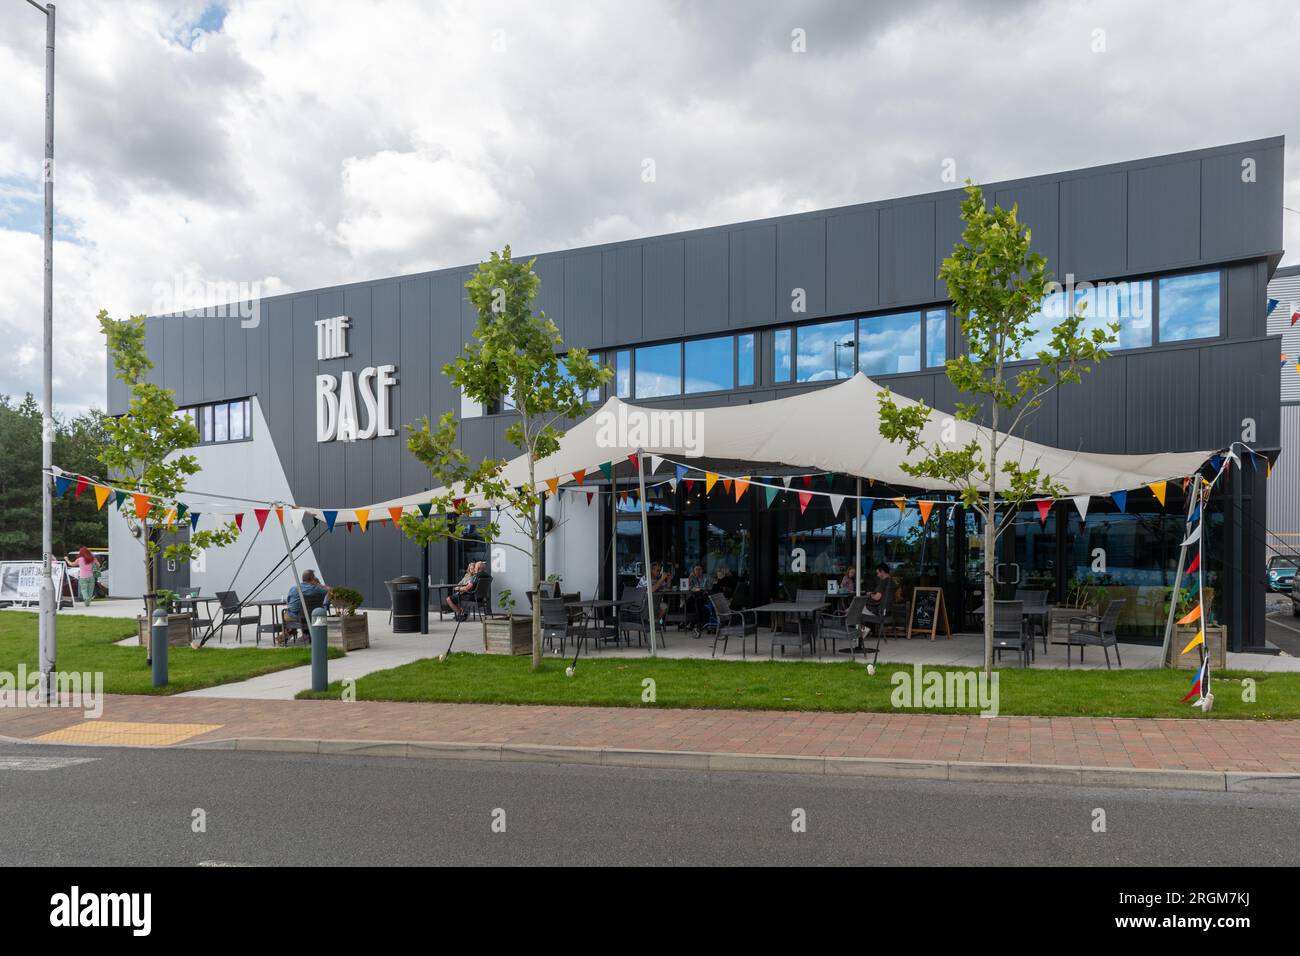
(47, 637)
(850, 343)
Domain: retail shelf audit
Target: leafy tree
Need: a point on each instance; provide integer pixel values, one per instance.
(146, 452)
(997, 286)
(515, 356)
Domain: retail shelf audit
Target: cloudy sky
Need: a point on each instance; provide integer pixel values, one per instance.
(292, 145)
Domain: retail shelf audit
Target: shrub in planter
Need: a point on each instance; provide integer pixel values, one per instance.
(348, 629)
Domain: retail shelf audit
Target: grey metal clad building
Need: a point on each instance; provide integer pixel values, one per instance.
(1284, 486)
(1188, 241)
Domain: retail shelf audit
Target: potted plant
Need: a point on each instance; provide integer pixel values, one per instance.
(1216, 635)
(347, 629)
(507, 633)
(179, 626)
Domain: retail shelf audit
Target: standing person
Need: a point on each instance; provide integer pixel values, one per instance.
(87, 569)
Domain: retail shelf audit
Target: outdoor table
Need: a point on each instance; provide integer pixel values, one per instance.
(592, 606)
(275, 625)
(443, 586)
(797, 608)
(192, 601)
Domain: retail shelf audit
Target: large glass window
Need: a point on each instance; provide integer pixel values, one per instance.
(221, 421)
(1049, 315)
(708, 365)
(936, 338)
(1128, 303)
(659, 370)
(623, 374)
(1189, 307)
(825, 352)
(781, 355)
(888, 344)
(745, 360)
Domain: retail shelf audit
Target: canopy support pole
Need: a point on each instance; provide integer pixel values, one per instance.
(297, 581)
(613, 539)
(857, 542)
(645, 549)
(1178, 576)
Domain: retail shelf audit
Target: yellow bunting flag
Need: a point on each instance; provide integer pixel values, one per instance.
(741, 485)
(141, 506)
(396, 515)
(902, 504)
(101, 495)
(925, 507)
(170, 518)
(1193, 615)
(554, 485)
(1158, 489)
(1198, 639)
(710, 479)
(363, 515)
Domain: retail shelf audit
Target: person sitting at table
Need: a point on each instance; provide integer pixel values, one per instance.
(697, 601)
(849, 583)
(656, 581)
(293, 614)
(724, 581)
(462, 590)
(881, 599)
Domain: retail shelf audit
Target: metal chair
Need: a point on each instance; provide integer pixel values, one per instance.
(731, 623)
(557, 624)
(478, 601)
(633, 618)
(1100, 634)
(1009, 629)
(1035, 600)
(842, 627)
(232, 613)
(290, 622)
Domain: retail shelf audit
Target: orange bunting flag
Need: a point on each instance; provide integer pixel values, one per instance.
(741, 485)
(804, 498)
(1158, 489)
(279, 515)
(363, 515)
(261, 514)
(925, 507)
(580, 474)
(554, 485)
(726, 483)
(101, 495)
(901, 503)
(396, 515)
(1193, 615)
(710, 479)
(170, 518)
(1198, 639)
(141, 506)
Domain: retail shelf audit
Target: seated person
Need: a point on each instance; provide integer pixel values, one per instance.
(293, 615)
(880, 600)
(657, 580)
(724, 581)
(849, 583)
(697, 604)
(465, 588)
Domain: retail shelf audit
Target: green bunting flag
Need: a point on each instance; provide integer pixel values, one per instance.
(118, 498)
(607, 469)
(771, 494)
(425, 508)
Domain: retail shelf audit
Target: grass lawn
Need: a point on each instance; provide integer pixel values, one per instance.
(88, 644)
(787, 685)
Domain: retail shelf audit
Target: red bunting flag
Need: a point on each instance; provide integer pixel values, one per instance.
(804, 499)
(807, 481)
(590, 494)
(261, 514)
(239, 521)
(633, 459)
(1044, 509)
(1196, 563)
(82, 484)
(690, 484)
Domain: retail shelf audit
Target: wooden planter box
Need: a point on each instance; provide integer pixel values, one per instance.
(179, 631)
(1216, 647)
(349, 631)
(508, 635)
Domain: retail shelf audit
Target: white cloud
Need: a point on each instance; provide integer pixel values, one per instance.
(298, 148)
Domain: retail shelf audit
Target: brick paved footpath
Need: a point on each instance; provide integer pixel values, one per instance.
(1242, 746)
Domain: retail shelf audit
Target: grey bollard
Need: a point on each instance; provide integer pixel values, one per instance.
(158, 648)
(320, 677)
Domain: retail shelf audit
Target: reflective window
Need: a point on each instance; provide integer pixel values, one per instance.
(221, 421)
(623, 374)
(1189, 307)
(781, 354)
(1049, 315)
(825, 352)
(237, 429)
(469, 408)
(659, 370)
(1128, 303)
(936, 338)
(708, 365)
(745, 360)
(889, 343)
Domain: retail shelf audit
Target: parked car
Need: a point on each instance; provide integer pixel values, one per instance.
(1281, 571)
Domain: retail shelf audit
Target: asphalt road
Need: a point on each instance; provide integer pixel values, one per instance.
(97, 806)
(1281, 626)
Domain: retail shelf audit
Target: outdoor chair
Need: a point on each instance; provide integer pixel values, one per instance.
(291, 623)
(1096, 632)
(232, 612)
(479, 600)
(200, 615)
(1035, 600)
(731, 623)
(841, 627)
(558, 625)
(1009, 629)
(633, 618)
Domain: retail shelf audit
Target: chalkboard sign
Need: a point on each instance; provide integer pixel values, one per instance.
(926, 612)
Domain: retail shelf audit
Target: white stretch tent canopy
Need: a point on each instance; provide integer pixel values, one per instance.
(835, 429)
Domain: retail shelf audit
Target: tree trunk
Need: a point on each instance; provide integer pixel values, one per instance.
(537, 545)
(990, 562)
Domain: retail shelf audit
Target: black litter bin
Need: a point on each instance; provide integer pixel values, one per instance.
(406, 604)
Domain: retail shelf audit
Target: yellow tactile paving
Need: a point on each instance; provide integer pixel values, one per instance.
(122, 732)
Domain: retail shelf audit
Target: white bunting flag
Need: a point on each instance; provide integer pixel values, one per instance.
(1192, 538)
(1081, 502)
(836, 502)
(655, 462)
(785, 479)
